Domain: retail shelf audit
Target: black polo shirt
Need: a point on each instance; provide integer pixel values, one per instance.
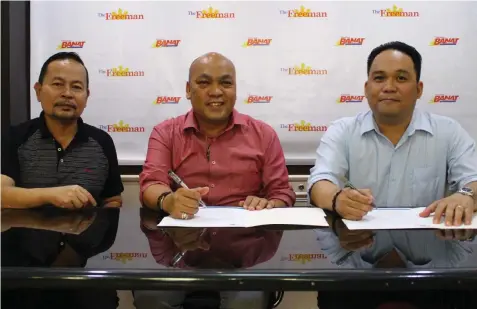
(34, 159)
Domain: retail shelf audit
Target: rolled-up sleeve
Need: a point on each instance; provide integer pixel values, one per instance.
(331, 156)
(461, 158)
(275, 173)
(158, 159)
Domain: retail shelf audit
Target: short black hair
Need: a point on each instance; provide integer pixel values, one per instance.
(62, 56)
(403, 48)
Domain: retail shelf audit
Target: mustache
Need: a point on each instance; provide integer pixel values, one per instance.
(65, 104)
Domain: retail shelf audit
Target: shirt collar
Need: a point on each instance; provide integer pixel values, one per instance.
(80, 134)
(418, 122)
(237, 119)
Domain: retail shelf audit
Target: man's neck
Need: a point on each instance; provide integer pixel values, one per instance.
(212, 129)
(63, 132)
(393, 129)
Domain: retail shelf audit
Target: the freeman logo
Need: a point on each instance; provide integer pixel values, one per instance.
(303, 126)
(120, 15)
(396, 12)
(347, 98)
(70, 44)
(443, 98)
(440, 41)
(303, 12)
(212, 13)
(166, 43)
(257, 42)
(303, 258)
(303, 69)
(345, 41)
(121, 71)
(167, 100)
(120, 127)
(124, 257)
(258, 99)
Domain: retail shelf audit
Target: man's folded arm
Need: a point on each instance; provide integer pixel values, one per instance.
(275, 174)
(154, 179)
(331, 164)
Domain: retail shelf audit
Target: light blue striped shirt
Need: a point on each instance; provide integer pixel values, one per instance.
(435, 154)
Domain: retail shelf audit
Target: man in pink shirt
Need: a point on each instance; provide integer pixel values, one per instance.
(226, 158)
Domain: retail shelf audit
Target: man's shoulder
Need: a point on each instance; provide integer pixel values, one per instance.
(97, 134)
(437, 120)
(351, 122)
(19, 133)
(171, 123)
(256, 124)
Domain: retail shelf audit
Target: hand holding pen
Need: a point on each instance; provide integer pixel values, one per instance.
(184, 203)
(353, 203)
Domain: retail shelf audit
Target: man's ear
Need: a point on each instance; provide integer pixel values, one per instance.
(188, 90)
(37, 88)
(420, 89)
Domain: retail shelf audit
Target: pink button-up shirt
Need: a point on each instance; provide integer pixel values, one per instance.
(246, 159)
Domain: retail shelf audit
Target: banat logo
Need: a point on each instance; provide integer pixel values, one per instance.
(440, 41)
(212, 13)
(166, 43)
(71, 44)
(303, 12)
(258, 99)
(167, 100)
(121, 71)
(396, 12)
(345, 41)
(120, 15)
(443, 98)
(257, 42)
(304, 69)
(347, 98)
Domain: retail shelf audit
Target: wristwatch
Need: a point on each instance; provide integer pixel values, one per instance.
(160, 200)
(466, 191)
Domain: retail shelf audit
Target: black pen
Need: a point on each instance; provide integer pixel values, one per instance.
(350, 185)
(179, 181)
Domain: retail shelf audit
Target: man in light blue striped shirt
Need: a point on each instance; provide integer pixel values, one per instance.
(395, 154)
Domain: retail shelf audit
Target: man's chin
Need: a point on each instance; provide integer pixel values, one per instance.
(65, 116)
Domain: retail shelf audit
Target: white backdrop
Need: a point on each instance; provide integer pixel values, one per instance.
(138, 55)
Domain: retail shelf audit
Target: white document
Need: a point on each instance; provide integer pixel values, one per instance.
(406, 218)
(224, 216)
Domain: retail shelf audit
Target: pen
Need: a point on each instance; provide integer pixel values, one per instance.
(179, 181)
(176, 259)
(350, 185)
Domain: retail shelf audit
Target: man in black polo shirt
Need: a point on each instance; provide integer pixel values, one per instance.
(56, 158)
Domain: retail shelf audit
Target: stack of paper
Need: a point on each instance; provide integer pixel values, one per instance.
(405, 218)
(225, 216)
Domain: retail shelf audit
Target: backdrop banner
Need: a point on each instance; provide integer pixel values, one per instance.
(300, 65)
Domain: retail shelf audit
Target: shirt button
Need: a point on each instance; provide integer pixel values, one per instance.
(213, 162)
(62, 243)
(59, 149)
(214, 233)
(61, 160)
(212, 186)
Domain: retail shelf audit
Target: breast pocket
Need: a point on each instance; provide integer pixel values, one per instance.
(424, 186)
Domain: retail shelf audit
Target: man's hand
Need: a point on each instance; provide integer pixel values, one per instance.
(188, 238)
(71, 197)
(184, 203)
(257, 203)
(352, 240)
(457, 234)
(456, 209)
(353, 205)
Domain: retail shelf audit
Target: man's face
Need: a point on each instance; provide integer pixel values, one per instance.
(212, 89)
(63, 93)
(392, 88)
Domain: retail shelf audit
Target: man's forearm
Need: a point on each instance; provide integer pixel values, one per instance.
(152, 193)
(322, 194)
(20, 198)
